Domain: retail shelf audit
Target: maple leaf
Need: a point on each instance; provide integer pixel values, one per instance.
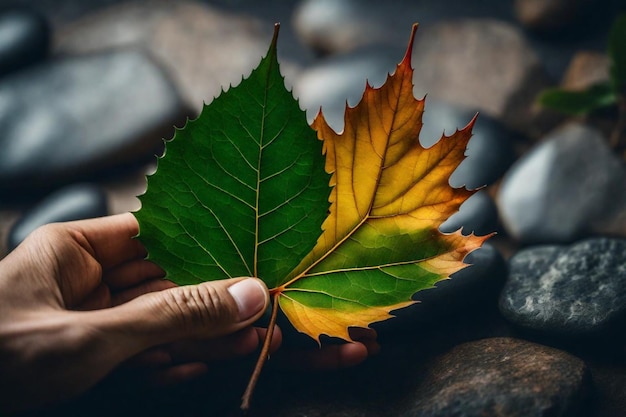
(244, 190)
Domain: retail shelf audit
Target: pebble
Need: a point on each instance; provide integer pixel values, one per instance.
(205, 49)
(24, 38)
(550, 16)
(478, 214)
(330, 26)
(338, 80)
(74, 202)
(586, 68)
(454, 62)
(569, 185)
(571, 291)
(490, 151)
(501, 377)
(83, 116)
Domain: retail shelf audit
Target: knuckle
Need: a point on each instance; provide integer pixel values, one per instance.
(198, 307)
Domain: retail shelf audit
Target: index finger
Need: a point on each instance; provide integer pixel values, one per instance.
(111, 239)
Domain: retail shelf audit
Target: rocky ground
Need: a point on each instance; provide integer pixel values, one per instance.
(534, 328)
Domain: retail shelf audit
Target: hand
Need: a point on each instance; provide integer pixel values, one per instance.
(78, 298)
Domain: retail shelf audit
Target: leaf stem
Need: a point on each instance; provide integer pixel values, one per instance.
(263, 356)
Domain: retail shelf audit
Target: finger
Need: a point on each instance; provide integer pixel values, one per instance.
(154, 285)
(179, 373)
(242, 343)
(131, 273)
(97, 299)
(110, 239)
(328, 357)
(203, 311)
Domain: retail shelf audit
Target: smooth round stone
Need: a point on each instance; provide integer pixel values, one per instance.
(501, 377)
(571, 291)
(74, 202)
(478, 215)
(570, 185)
(340, 80)
(489, 152)
(83, 116)
(24, 38)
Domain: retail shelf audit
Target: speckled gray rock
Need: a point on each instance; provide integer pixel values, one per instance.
(74, 202)
(570, 185)
(24, 38)
(501, 377)
(577, 290)
(82, 116)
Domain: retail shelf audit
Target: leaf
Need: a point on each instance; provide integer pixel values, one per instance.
(245, 190)
(241, 190)
(381, 242)
(617, 54)
(579, 102)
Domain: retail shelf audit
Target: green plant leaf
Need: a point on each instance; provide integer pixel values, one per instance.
(241, 190)
(617, 54)
(579, 102)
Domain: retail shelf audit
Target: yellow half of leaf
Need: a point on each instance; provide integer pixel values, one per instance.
(380, 243)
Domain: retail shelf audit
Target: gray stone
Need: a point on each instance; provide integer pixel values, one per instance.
(501, 377)
(340, 80)
(489, 152)
(481, 64)
(204, 49)
(568, 186)
(82, 116)
(24, 38)
(575, 291)
(478, 215)
(550, 16)
(74, 202)
(330, 26)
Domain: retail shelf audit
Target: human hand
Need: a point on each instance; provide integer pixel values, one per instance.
(78, 298)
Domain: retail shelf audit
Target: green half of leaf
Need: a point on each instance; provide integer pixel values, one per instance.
(241, 190)
(579, 102)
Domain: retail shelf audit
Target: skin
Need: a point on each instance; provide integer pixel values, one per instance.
(78, 300)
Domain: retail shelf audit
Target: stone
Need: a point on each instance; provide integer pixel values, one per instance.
(501, 377)
(74, 202)
(83, 116)
(586, 68)
(24, 38)
(340, 80)
(549, 16)
(568, 186)
(330, 26)
(568, 291)
(204, 49)
(478, 215)
(490, 151)
(454, 61)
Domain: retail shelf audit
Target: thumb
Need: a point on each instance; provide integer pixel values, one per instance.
(207, 310)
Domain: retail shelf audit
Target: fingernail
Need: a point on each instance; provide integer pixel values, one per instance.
(250, 296)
